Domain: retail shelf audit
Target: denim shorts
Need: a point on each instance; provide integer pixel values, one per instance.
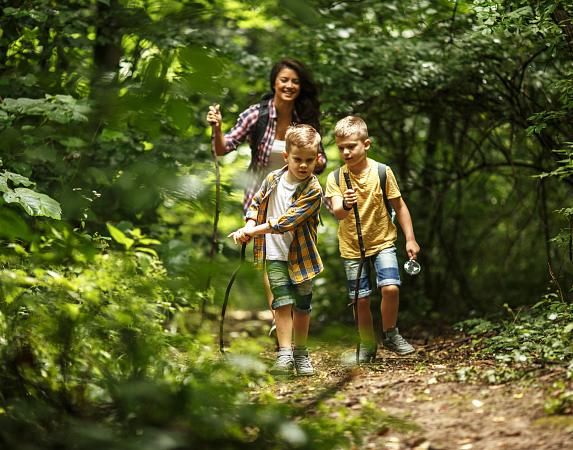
(285, 292)
(387, 273)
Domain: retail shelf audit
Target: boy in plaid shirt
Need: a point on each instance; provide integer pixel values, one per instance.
(283, 220)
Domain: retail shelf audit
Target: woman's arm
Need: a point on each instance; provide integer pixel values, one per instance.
(224, 144)
(215, 118)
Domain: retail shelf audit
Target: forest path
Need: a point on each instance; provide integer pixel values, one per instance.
(418, 402)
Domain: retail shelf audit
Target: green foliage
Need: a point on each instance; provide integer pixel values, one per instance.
(539, 335)
(560, 400)
(528, 341)
(103, 106)
(34, 203)
(564, 168)
(101, 354)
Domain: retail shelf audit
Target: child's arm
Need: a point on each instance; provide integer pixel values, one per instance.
(244, 234)
(292, 218)
(405, 220)
(300, 211)
(341, 206)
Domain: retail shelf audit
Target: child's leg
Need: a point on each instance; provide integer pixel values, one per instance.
(268, 292)
(283, 300)
(389, 306)
(388, 280)
(302, 309)
(303, 296)
(282, 304)
(365, 322)
(284, 321)
(301, 324)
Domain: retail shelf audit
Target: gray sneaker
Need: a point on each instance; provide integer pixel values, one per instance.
(302, 362)
(284, 364)
(366, 355)
(394, 342)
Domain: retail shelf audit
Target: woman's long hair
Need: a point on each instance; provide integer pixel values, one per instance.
(307, 105)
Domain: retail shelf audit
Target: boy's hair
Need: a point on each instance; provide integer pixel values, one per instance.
(351, 125)
(302, 136)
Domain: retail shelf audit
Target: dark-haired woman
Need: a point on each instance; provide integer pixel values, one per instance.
(293, 99)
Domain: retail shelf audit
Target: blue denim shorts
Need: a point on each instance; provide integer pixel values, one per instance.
(387, 273)
(285, 292)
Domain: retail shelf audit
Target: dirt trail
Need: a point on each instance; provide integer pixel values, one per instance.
(419, 402)
(423, 393)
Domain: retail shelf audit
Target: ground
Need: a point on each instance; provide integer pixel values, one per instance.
(422, 401)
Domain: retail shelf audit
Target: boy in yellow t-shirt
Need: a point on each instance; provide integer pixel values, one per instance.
(378, 231)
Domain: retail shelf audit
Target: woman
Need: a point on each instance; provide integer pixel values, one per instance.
(293, 100)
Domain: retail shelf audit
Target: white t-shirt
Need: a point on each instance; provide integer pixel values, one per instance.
(277, 245)
(276, 158)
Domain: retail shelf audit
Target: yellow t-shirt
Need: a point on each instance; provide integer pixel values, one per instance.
(378, 231)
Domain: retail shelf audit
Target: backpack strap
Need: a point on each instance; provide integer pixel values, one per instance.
(382, 176)
(337, 176)
(258, 130)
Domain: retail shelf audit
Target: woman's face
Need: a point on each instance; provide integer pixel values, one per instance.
(287, 85)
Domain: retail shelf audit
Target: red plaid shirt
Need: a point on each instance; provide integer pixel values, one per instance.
(241, 132)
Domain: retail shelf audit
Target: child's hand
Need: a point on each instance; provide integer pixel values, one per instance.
(214, 116)
(241, 235)
(412, 249)
(349, 198)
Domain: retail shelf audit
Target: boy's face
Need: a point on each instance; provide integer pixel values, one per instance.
(352, 149)
(301, 161)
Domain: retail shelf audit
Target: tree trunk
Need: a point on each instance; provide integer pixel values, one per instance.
(561, 18)
(107, 49)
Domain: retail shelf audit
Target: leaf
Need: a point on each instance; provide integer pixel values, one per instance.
(17, 179)
(147, 250)
(34, 203)
(119, 237)
(301, 10)
(12, 226)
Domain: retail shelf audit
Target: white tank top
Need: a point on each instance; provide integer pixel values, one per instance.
(276, 158)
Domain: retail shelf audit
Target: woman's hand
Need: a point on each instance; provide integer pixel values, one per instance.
(214, 116)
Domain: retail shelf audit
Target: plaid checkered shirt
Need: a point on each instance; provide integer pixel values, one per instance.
(241, 132)
(301, 217)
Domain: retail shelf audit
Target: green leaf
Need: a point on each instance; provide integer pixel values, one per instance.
(301, 10)
(12, 226)
(34, 203)
(119, 237)
(15, 178)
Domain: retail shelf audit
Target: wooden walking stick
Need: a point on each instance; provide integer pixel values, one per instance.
(360, 266)
(226, 300)
(214, 241)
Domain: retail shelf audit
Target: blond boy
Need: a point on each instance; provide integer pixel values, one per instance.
(378, 231)
(283, 220)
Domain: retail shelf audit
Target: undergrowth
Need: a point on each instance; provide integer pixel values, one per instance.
(527, 343)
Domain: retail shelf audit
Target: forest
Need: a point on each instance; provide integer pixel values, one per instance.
(115, 212)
